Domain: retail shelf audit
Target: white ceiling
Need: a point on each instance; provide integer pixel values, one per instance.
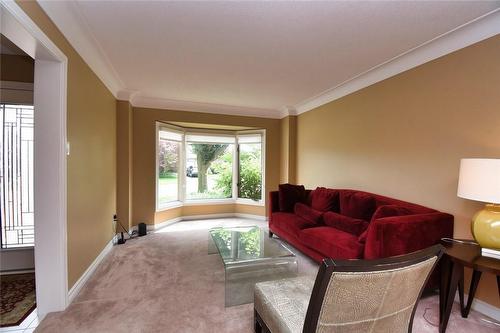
(255, 58)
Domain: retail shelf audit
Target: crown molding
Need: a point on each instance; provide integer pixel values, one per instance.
(288, 111)
(74, 27)
(126, 94)
(171, 104)
(467, 34)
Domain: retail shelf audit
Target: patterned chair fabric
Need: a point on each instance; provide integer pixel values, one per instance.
(348, 296)
(282, 304)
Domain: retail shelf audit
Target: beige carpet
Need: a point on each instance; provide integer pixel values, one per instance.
(166, 282)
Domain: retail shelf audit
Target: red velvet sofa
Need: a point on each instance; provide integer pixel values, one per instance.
(350, 224)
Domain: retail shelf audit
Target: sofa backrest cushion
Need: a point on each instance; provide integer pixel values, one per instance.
(345, 223)
(325, 199)
(289, 195)
(358, 205)
(390, 210)
(414, 208)
(307, 213)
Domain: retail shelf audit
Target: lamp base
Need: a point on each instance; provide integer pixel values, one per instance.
(486, 226)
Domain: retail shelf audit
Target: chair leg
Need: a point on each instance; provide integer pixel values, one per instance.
(257, 325)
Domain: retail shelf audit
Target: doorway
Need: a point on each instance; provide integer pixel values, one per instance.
(17, 264)
(49, 156)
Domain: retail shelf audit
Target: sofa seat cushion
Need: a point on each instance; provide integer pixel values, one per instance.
(359, 205)
(291, 223)
(332, 243)
(282, 304)
(345, 223)
(289, 195)
(325, 199)
(308, 213)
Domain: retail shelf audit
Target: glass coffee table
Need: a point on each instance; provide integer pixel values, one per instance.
(249, 256)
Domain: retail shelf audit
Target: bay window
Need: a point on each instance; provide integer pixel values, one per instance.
(250, 167)
(169, 165)
(211, 157)
(198, 166)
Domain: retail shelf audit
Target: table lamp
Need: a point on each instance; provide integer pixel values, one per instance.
(479, 180)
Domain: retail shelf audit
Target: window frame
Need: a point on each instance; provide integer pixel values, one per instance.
(215, 201)
(234, 199)
(19, 202)
(173, 203)
(246, 201)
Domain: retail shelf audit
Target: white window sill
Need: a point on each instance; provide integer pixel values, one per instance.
(204, 202)
(250, 202)
(170, 205)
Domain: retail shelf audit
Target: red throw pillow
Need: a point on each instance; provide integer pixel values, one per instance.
(358, 205)
(390, 210)
(324, 199)
(307, 213)
(289, 195)
(345, 223)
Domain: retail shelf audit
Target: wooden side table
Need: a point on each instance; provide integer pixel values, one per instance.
(459, 254)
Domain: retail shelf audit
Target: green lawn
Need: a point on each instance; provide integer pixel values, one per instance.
(167, 188)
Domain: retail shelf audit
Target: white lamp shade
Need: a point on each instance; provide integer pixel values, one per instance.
(479, 179)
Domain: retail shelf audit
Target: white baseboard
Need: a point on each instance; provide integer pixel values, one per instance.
(73, 292)
(482, 307)
(251, 216)
(152, 227)
(17, 271)
(164, 223)
(207, 216)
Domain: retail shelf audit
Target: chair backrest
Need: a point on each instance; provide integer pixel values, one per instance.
(369, 295)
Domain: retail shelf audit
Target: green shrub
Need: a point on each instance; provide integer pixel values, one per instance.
(250, 175)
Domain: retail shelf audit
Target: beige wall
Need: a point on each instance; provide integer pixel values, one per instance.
(185, 211)
(91, 130)
(144, 161)
(288, 160)
(404, 137)
(124, 164)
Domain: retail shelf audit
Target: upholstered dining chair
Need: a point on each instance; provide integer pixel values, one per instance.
(347, 296)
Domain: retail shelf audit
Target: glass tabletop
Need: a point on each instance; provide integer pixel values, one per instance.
(243, 244)
(249, 256)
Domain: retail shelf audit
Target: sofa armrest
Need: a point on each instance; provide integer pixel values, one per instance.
(396, 235)
(274, 205)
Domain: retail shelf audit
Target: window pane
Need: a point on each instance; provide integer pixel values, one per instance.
(168, 171)
(250, 171)
(209, 171)
(16, 175)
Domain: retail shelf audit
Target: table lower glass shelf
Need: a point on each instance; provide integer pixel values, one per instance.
(249, 256)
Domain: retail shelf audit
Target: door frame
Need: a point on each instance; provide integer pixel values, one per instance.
(50, 151)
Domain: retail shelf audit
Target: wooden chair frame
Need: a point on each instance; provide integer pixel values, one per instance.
(379, 265)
